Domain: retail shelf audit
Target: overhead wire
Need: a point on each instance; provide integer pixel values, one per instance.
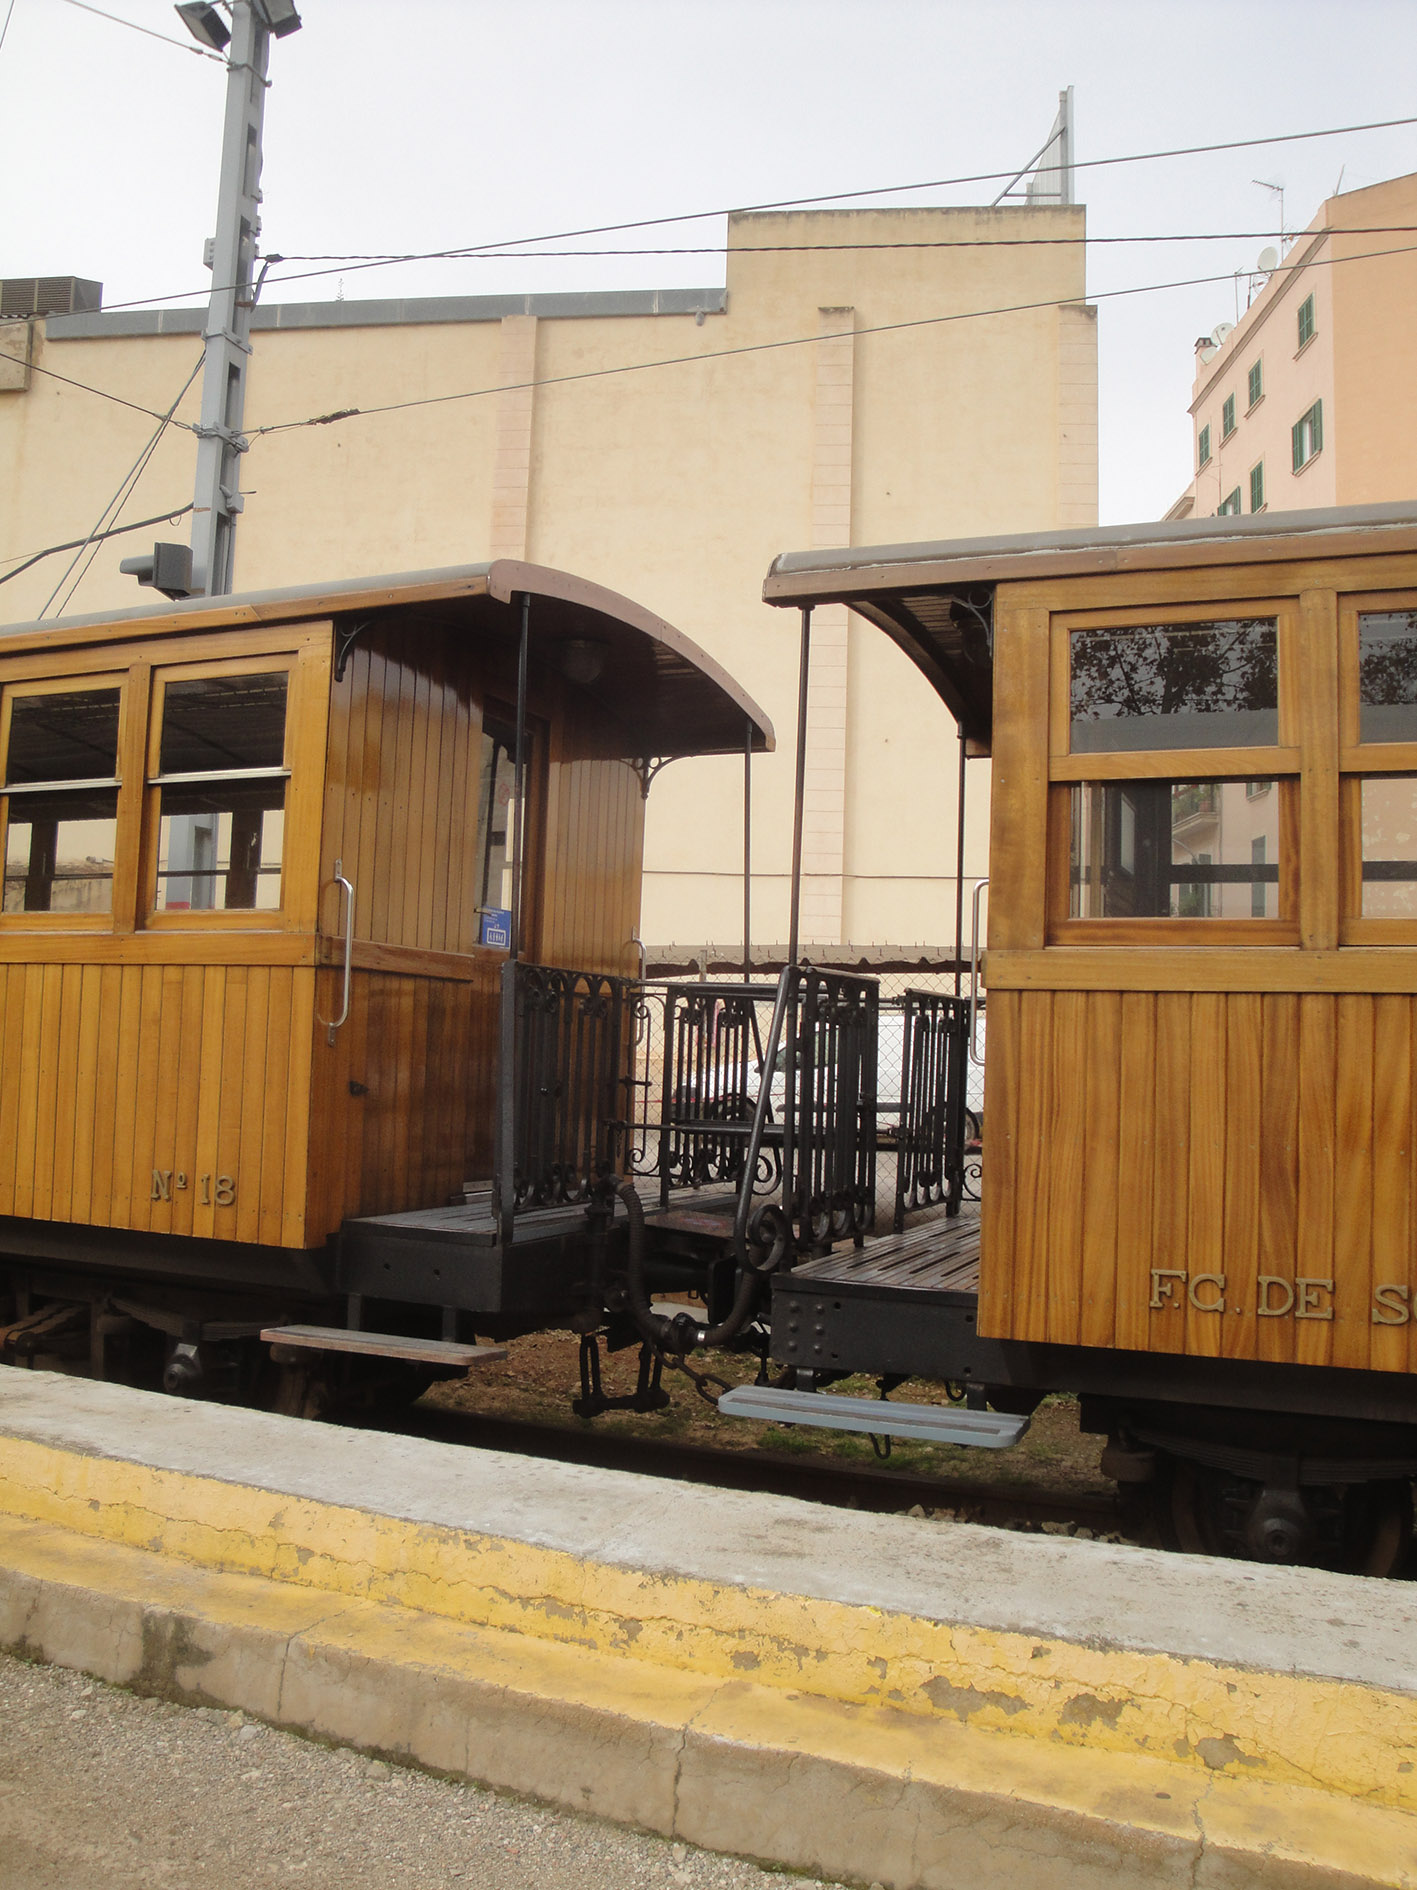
(126, 487)
(9, 15)
(77, 544)
(359, 261)
(791, 341)
(117, 19)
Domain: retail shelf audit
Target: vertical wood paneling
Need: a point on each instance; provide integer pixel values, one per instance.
(1242, 1128)
(1136, 1165)
(1062, 1259)
(1353, 1183)
(1279, 1169)
(1171, 1199)
(998, 1284)
(1318, 1079)
(1207, 1138)
(1031, 1209)
(1101, 1051)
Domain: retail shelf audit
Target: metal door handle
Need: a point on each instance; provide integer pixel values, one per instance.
(974, 1055)
(334, 1023)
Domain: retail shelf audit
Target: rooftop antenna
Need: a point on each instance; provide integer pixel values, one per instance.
(206, 570)
(1276, 190)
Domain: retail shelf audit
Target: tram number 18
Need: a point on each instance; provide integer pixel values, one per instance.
(212, 1190)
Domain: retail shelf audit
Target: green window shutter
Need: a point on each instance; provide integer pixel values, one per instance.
(1306, 320)
(1227, 417)
(1257, 487)
(1297, 436)
(1316, 428)
(1203, 447)
(1256, 382)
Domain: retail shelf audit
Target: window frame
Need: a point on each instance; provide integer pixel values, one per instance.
(74, 682)
(239, 918)
(1358, 760)
(1313, 418)
(1279, 764)
(1232, 505)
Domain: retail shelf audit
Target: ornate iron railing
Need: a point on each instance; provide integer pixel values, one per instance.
(829, 1127)
(930, 1147)
(713, 1075)
(563, 1094)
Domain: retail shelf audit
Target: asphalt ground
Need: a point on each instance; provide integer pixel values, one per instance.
(103, 1790)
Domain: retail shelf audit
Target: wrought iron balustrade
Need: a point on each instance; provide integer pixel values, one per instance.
(563, 1093)
(713, 1074)
(829, 1129)
(930, 1146)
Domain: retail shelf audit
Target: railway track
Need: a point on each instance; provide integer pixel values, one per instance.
(780, 1473)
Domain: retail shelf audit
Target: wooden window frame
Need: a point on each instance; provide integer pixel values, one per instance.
(1279, 764)
(539, 729)
(128, 682)
(1357, 759)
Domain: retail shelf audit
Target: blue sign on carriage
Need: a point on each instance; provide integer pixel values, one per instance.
(497, 927)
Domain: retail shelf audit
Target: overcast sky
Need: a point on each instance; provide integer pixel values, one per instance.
(434, 123)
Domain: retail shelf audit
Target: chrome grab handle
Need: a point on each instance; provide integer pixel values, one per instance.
(974, 1055)
(334, 1023)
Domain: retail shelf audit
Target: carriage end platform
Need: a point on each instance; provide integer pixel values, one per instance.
(868, 1697)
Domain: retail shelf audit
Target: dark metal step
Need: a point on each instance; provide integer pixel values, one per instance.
(381, 1345)
(879, 1417)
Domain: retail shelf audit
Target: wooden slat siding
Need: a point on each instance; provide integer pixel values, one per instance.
(253, 1103)
(412, 837)
(1353, 1203)
(440, 812)
(1019, 793)
(12, 988)
(380, 736)
(1062, 1265)
(1405, 1257)
(1104, 1177)
(395, 838)
(434, 876)
(1273, 1339)
(1243, 1127)
(1393, 1153)
(110, 1000)
(201, 1139)
(298, 1120)
(32, 1000)
(66, 1058)
(158, 1094)
(1031, 1211)
(1136, 1168)
(1318, 1077)
(47, 1086)
(275, 1104)
(1171, 1199)
(997, 1244)
(191, 1057)
(1206, 1148)
(87, 1101)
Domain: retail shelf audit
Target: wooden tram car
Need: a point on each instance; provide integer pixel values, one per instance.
(1200, 1197)
(263, 861)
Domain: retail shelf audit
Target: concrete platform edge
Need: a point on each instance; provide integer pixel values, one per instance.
(856, 1792)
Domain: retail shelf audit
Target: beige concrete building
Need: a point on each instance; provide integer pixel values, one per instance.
(868, 376)
(1309, 399)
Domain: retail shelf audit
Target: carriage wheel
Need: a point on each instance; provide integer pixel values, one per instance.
(1358, 1528)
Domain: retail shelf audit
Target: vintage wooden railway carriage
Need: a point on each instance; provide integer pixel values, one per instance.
(262, 864)
(1200, 1185)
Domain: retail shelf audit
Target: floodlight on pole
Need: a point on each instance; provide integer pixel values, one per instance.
(205, 24)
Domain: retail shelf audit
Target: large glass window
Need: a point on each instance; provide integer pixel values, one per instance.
(1387, 676)
(1196, 685)
(496, 829)
(221, 780)
(1174, 850)
(1389, 850)
(61, 800)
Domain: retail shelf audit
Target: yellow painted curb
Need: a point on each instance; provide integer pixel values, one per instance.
(1215, 1720)
(810, 1782)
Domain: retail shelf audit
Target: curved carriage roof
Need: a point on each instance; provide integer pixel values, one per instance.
(672, 697)
(936, 600)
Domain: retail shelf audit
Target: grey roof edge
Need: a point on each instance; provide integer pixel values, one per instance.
(397, 312)
(1037, 553)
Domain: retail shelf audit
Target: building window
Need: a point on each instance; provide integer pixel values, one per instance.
(1257, 383)
(1227, 417)
(1306, 321)
(1230, 503)
(1257, 487)
(220, 777)
(1308, 435)
(1203, 447)
(61, 800)
(1194, 685)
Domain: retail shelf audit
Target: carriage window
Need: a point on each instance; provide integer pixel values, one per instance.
(496, 829)
(1387, 676)
(61, 797)
(1196, 685)
(1174, 850)
(1389, 827)
(221, 778)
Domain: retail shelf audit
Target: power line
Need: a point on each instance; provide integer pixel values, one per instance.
(471, 252)
(77, 544)
(9, 15)
(182, 45)
(796, 341)
(103, 393)
(126, 487)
